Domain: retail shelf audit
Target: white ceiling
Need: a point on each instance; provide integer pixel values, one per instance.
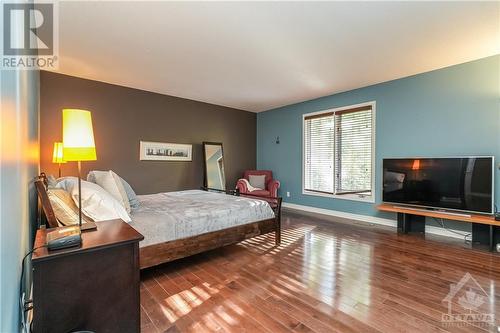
(261, 55)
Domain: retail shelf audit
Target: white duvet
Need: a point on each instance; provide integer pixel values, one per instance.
(169, 216)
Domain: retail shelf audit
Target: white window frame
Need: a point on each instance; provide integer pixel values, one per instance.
(354, 197)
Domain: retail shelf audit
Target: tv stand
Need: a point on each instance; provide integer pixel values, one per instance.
(485, 230)
(433, 210)
(411, 223)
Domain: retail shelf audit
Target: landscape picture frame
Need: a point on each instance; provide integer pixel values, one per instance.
(165, 151)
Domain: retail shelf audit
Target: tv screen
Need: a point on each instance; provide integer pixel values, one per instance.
(464, 184)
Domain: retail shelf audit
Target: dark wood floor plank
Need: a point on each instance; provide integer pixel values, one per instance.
(153, 309)
(237, 300)
(284, 319)
(149, 328)
(327, 276)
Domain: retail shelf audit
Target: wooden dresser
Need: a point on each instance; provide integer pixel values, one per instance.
(93, 287)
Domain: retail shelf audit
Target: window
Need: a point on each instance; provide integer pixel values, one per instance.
(318, 143)
(339, 151)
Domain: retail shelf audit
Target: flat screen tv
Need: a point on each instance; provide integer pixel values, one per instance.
(455, 183)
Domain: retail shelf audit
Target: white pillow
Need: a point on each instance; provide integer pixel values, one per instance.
(97, 204)
(258, 181)
(132, 197)
(129, 192)
(111, 182)
(121, 189)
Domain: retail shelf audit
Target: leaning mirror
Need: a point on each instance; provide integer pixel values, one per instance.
(214, 166)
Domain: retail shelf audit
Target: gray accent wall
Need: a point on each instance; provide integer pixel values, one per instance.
(122, 117)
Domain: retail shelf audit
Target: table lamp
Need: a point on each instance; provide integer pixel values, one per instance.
(57, 155)
(79, 146)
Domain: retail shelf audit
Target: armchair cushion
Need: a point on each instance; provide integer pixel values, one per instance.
(271, 185)
(245, 186)
(267, 173)
(258, 181)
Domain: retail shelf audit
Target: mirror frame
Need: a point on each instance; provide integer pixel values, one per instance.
(205, 180)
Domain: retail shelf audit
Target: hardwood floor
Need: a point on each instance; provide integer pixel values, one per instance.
(325, 277)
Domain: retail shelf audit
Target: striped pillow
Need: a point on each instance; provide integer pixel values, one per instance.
(65, 209)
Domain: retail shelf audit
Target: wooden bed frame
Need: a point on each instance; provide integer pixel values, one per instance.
(160, 253)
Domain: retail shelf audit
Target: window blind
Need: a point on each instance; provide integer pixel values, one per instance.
(319, 153)
(353, 151)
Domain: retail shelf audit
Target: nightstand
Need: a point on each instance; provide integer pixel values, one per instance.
(93, 287)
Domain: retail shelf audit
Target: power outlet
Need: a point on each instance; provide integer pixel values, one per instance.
(288, 194)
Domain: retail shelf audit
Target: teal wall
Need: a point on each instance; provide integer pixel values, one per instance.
(447, 112)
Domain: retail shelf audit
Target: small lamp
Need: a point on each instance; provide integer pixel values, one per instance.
(57, 155)
(416, 165)
(78, 145)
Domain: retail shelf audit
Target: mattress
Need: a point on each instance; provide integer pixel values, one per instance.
(170, 216)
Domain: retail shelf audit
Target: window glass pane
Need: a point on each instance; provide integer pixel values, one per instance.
(353, 148)
(318, 153)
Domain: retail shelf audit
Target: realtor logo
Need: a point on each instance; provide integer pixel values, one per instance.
(29, 39)
(468, 304)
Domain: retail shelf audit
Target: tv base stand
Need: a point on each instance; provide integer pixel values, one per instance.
(410, 223)
(485, 230)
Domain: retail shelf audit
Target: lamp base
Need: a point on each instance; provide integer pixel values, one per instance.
(88, 226)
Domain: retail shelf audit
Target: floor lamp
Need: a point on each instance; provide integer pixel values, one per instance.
(57, 155)
(79, 146)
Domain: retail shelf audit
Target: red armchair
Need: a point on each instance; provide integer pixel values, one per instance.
(272, 185)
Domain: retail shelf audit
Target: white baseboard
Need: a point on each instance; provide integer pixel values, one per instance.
(372, 219)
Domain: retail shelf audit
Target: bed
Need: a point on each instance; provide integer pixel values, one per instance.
(180, 224)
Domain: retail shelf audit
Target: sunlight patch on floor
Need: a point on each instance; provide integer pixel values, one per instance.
(234, 307)
(182, 303)
(185, 302)
(178, 304)
(200, 292)
(168, 313)
(224, 315)
(264, 244)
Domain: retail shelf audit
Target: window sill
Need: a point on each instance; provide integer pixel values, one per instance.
(352, 197)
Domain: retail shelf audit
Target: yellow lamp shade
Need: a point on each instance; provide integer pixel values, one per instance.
(78, 136)
(57, 155)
